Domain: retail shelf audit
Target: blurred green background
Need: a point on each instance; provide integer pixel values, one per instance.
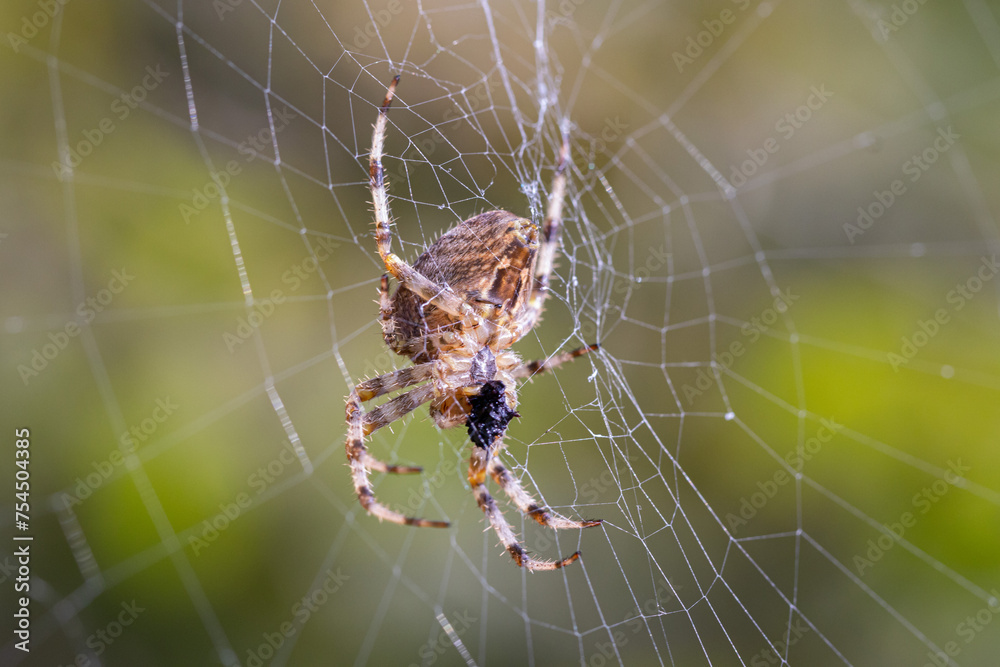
(189, 499)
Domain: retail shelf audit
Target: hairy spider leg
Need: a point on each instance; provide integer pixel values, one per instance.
(441, 296)
(477, 479)
(515, 491)
(486, 428)
(394, 410)
(394, 381)
(551, 234)
(510, 484)
(385, 307)
(533, 368)
(487, 424)
(360, 424)
(376, 419)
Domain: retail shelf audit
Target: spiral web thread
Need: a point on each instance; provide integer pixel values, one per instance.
(516, 100)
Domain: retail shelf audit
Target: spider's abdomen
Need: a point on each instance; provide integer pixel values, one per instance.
(489, 414)
(488, 260)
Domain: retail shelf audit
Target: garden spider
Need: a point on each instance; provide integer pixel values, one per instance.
(456, 312)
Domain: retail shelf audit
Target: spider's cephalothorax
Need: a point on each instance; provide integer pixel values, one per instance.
(456, 312)
(487, 261)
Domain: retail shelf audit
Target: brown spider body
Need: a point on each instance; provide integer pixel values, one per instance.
(489, 261)
(456, 312)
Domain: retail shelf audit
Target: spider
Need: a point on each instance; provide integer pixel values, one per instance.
(455, 313)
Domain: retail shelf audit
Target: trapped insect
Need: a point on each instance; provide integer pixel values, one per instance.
(455, 313)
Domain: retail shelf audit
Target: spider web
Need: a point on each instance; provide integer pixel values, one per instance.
(789, 430)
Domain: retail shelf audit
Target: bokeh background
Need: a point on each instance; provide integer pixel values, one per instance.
(189, 499)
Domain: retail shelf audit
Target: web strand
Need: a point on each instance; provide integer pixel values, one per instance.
(658, 433)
